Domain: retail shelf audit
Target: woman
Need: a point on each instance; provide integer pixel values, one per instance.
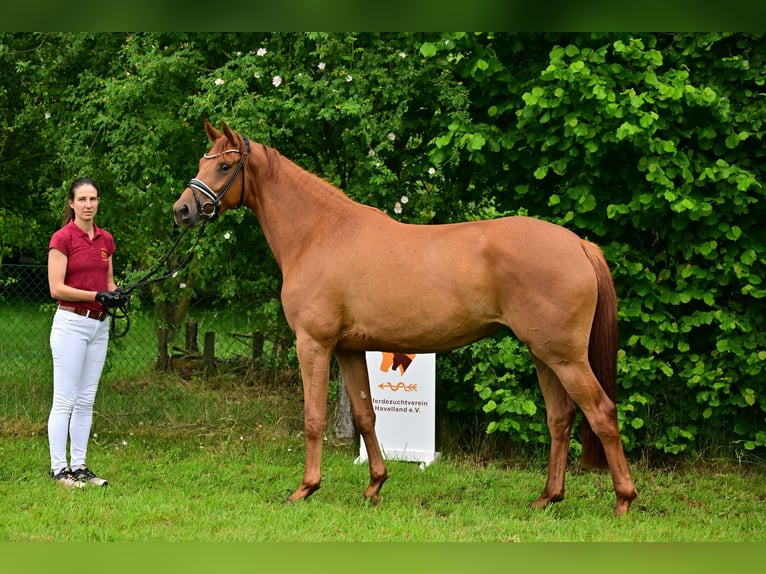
(81, 279)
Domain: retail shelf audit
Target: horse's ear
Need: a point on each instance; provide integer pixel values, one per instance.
(212, 133)
(229, 134)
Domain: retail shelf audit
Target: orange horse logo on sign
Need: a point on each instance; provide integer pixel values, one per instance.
(392, 362)
(396, 361)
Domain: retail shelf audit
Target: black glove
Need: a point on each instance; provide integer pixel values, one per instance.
(124, 296)
(112, 299)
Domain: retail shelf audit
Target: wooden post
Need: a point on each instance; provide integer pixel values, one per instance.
(257, 346)
(191, 338)
(208, 353)
(344, 428)
(162, 349)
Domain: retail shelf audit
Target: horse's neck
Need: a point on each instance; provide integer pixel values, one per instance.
(295, 208)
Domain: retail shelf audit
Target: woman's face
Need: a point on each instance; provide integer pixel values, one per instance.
(85, 202)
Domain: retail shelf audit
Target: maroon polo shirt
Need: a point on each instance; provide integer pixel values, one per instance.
(87, 259)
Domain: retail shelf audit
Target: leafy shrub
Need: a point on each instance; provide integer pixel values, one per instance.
(649, 144)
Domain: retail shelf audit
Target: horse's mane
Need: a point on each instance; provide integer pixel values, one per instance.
(275, 162)
(272, 160)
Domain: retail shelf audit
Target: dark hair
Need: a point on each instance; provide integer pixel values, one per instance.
(68, 211)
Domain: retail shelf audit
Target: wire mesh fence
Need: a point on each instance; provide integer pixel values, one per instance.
(27, 309)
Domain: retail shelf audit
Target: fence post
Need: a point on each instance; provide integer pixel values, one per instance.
(162, 348)
(257, 346)
(344, 428)
(208, 353)
(191, 338)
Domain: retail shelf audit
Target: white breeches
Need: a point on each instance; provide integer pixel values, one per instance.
(78, 345)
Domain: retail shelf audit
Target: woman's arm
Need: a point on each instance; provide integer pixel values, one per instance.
(57, 262)
(110, 276)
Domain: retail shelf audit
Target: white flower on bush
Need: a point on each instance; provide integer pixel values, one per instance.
(219, 82)
(182, 285)
(431, 171)
(261, 52)
(321, 66)
(391, 136)
(227, 235)
(404, 199)
(277, 81)
(397, 208)
(402, 55)
(256, 74)
(349, 78)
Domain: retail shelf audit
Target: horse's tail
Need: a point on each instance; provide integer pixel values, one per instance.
(602, 351)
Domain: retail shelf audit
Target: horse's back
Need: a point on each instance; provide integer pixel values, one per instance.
(483, 256)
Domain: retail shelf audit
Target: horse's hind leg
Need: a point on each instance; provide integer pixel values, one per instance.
(356, 378)
(581, 384)
(560, 413)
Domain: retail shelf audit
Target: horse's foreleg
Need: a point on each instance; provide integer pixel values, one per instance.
(314, 363)
(560, 413)
(356, 378)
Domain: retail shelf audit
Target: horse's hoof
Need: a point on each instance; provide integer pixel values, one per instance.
(622, 507)
(545, 501)
(372, 498)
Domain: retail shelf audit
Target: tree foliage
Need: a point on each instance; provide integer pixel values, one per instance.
(649, 144)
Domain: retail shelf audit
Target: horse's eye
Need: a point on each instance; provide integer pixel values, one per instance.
(224, 167)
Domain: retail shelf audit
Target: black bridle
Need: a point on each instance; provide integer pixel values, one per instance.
(211, 209)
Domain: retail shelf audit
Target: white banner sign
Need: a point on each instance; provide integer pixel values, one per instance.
(403, 391)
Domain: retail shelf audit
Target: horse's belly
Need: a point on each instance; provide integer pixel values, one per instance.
(416, 330)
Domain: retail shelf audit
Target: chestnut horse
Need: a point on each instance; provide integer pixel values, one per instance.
(344, 293)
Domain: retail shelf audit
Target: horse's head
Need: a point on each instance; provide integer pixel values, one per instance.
(207, 195)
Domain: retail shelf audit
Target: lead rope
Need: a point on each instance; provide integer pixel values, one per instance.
(121, 312)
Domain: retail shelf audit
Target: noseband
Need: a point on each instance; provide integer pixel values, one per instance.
(211, 209)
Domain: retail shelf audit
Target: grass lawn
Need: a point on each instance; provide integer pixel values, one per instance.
(202, 461)
(210, 488)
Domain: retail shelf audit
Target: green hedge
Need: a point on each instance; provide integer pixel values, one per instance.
(652, 146)
(649, 144)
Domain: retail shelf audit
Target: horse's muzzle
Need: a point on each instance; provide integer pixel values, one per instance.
(184, 215)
